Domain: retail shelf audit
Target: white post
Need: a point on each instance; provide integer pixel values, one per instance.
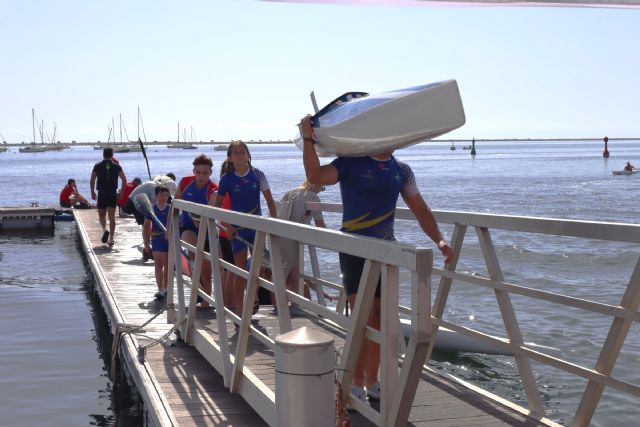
(305, 392)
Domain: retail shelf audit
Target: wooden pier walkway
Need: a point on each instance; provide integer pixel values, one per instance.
(180, 387)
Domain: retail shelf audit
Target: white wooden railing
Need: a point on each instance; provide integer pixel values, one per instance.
(383, 258)
(621, 316)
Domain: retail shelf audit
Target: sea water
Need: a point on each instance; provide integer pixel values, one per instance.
(53, 369)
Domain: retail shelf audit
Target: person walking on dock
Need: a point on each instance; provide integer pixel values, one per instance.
(198, 189)
(106, 174)
(159, 242)
(243, 183)
(369, 187)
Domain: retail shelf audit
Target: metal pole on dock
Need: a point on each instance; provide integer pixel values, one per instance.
(473, 147)
(305, 392)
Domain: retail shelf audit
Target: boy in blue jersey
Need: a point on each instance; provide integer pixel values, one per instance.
(369, 188)
(159, 242)
(243, 183)
(197, 189)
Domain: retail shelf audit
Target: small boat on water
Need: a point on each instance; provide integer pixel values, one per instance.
(220, 147)
(466, 147)
(625, 172)
(3, 149)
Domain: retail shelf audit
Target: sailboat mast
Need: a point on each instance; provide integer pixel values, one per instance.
(33, 124)
(178, 133)
(120, 128)
(138, 123)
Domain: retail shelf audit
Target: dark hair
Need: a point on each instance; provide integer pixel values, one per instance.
(223, 168)
(171, 175)
(137, 180)
(107, 153)
(161, 188)
(71, 181)
(230, 167)
(203, 159)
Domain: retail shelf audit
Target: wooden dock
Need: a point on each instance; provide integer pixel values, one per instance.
(180, 387)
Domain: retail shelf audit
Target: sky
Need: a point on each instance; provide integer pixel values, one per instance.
(243, 69)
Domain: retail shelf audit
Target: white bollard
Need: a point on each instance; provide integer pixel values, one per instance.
(305, 391)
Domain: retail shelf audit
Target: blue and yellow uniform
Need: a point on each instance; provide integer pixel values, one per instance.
(244, 192)
(369, 190)
(159, 242)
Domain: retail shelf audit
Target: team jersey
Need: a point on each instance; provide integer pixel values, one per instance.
(369, 189)
(192, 193)
(162, 215)
(107, 172)
(244, 191)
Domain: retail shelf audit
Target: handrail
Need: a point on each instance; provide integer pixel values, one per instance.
(381, 258)
(621, 315)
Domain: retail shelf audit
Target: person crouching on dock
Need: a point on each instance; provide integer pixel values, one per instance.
(369, 188)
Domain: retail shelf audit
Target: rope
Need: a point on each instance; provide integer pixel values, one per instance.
(124, 329)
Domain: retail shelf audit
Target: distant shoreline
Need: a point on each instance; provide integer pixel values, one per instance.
(157, 143)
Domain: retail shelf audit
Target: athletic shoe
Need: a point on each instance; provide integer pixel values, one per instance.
(373, 391)
(158, 295)
(147, 255)
(359, 393)
(256, 307)
(105, 236)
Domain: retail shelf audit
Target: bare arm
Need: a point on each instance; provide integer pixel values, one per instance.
(273, 212)
(316, 174)
(92, 184)
(146, 233)
(428, 224)
(123, 179)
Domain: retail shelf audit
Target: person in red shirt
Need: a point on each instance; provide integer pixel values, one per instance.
(124, 196)
(71, 198)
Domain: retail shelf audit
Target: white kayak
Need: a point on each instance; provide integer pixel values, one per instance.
(359, 124)
(448, 340)
(624, 172)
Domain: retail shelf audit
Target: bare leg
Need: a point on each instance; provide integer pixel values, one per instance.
(366, 372)
(161, 260)
(102, 218)
(239, 283)
(205, 275)
(112, 223)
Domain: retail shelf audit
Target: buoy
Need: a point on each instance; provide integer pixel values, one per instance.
(605, 153)
(473, 147)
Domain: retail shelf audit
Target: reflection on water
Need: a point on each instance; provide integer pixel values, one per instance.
(54, 362)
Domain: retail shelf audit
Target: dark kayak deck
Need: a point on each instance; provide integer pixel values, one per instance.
(179, 387)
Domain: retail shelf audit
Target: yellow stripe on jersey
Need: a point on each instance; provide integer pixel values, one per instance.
(358, 223)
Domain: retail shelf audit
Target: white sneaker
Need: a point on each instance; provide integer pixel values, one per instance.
(359, 393)
(373, 391)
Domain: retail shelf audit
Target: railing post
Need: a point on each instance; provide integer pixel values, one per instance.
(305, 363)
(510, 322)
(610, 351)
(418, 346)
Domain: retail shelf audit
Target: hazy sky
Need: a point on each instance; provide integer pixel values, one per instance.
(244, 69)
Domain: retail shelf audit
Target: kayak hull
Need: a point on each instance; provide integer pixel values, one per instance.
(388, 121)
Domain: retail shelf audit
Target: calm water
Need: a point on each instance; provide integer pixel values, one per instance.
(52, 369)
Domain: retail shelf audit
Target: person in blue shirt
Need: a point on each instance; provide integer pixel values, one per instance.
(159, 243)
(243, 183)
(369, 187)
(198, 189)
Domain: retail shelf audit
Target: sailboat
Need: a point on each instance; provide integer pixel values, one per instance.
(33, 147)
